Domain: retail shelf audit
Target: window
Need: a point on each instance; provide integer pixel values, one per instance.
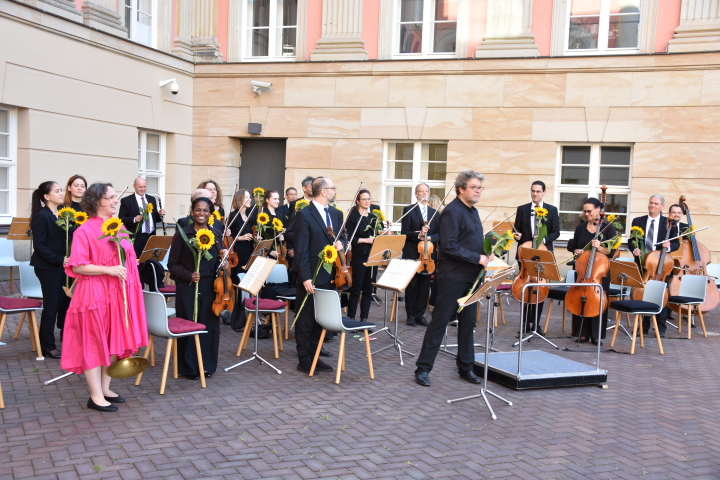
(603, 26)
(8, 162)
(425, 28)
(582, 170)
(271, 29)
(407, 164)
(139, 21)
(151, 161)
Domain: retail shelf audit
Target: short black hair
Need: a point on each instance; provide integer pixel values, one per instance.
(538, 182)
(287, 190)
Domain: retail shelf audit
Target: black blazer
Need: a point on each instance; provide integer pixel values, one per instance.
(523, 224)
(290, 225)
(412, 224)
(181, 263)
(129, 209)
(48, 241)
(311, 236)
(360, 250)
(662, 231)
(283, 213)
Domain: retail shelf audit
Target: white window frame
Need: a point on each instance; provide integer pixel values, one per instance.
(603, 33)
(416, 174)
(132, 29)
(10, 162)
(272, 38)
(427, 40)
(142, 166)
(593, 187)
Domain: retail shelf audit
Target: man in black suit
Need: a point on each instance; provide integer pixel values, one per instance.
(415, 226)
(526, 230)
(131, 215)
(283, 211)
(289, 233)
(654, 224)
(675, 214)
(311, 236)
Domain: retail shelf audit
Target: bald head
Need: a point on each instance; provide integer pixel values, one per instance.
(200, 192)
(140, 186)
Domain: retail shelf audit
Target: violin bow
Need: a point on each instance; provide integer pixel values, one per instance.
(225, 220)
(488, 215)
(501, 222)
(441, 204)
(684, 235)
(347, 214)
(227, 252)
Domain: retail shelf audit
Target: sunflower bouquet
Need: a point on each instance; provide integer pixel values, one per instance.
(540, 224)
(300, 204)
(146, 212)
(199, 247)
(258, 195)
(215, 216)
(502, 242)
(379, 221)
(326, 258)
(67, 217)
(637, 239)
(111, 229)
(277, 226)
(263, 224)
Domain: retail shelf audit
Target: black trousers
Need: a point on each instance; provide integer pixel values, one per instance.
(362, 289)
(55, 305)
(530, 313)
(141, 240)
(307, 330)
(661, 321)
(416, 296)
(449, 290)
(209, 342)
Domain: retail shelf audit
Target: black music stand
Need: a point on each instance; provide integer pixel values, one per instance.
(487, 291)
(262, 249)
(542, 264)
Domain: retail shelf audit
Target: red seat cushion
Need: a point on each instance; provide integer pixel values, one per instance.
(7, 303)
(180, 325)
(168, 289)
(504, 287)
(265, 304)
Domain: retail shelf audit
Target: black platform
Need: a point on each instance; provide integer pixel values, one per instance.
(539, 370)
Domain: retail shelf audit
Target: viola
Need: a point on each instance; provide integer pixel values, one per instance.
(658, 265)
(343, 272)
(224, 302)
(426, 249)
(282, 253)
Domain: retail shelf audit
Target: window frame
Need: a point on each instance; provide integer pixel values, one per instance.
(11, 162)
(603, 25)
(417, 163)
(143, 172)
(592, 189)
(428, 22)
(272, 27)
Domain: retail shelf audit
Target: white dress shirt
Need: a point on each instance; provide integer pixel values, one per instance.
(321, 209)
(656, 227)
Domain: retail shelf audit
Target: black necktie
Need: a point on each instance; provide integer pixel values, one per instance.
(649, 247)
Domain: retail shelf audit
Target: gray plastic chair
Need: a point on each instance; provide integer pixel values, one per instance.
(29, 283)
(328, 313)
(7, 259)
(692, 294)
(650, 305)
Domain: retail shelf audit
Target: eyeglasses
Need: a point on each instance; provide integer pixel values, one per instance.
(589, 211)
(365, 199)
(114, 197)
(476, 189)
(330, 188)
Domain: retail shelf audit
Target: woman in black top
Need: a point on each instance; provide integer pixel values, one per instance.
(74, 191)
(586, 328)
(48, 258)
(242, 204)
(182, 269)
(359, 219)
(216, 195)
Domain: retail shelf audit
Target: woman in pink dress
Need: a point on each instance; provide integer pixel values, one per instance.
(95, 330)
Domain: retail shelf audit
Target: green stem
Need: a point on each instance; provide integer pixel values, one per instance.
(197, 284)
(307, 294)
(67, 250)
(125, 304)
(472, 289)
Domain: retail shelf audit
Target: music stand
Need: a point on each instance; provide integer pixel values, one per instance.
(487, 291)
(396, 278)
(252, 283)
(626, 272)
(542, 265)
(384, 249)
(20, 229)
(262, 249)
(156, 248)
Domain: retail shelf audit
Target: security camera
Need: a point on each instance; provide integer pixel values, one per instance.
(174, 87)
(259, 86)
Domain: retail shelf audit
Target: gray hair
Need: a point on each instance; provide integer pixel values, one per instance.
(307, 181)
(659, 197)
(462, 179)
(420, 185)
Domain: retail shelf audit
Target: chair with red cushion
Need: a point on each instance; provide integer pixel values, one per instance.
(272, 308)
(27, 306)
(159, 325)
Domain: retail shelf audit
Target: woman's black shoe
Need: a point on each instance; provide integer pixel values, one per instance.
(95, 406)
(52, 354)
(208, 374)
(192, 377)
(117, 399)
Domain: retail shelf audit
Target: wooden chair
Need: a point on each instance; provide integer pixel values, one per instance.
(271, 308)
(26, 306)
(650, 305)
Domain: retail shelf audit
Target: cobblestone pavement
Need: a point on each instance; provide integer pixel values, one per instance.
(657, 419)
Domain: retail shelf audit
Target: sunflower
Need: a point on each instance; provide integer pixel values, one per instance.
(610, 218)
(150, 207)
(638, 231)
(81, 217)
(211, 220)
(541, 212)
(216, 214)
(66, 212)
(379, 214)
(277, 224)
(300, 204)
(329, 254)
(258, 192)
(617, 243)
(205, 239)
(263, 218)
(111, 226)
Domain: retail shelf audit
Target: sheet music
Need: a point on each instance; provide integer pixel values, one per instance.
(398, 274)
(257, 275)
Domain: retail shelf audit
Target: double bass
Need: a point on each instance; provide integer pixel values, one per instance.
(658, 265)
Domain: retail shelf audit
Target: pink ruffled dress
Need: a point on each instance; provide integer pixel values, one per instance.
(95, 322)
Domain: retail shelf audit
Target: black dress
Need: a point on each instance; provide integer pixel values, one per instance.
(242, 248)
(587, 327)
(362, 277)
(181, 266)
(76, 206)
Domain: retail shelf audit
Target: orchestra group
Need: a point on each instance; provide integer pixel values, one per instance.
(87, 236)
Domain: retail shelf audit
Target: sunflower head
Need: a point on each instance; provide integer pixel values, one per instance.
(329, 254)
(66, 212)
(81, 217)
(263, 218)
(541, 212)
(216, 214)
(150, 207)
(610, 218)
(211, 220)
(637, 231)
(258, 192)
(300, 204)
(277, 224)
(205, 239)
(379, 214)
(617, 243)
(111, 226)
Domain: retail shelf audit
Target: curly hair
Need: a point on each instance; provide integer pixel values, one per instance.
(93, 196)
(219, 196)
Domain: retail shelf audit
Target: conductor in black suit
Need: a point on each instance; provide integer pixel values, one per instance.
(415, 226)
(131, 214)
(311, 236)
(526, 230)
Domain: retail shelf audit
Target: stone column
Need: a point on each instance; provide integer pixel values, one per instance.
(61, 8)
(101, 14)
(205, 46)
(182, 42)
(509, 30)
(341, 32)
(699, 28)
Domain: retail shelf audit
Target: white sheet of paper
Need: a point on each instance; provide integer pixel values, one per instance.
(398, 274)
(252, 274)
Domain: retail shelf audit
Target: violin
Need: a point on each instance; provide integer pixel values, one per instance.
(694, 261)
(343, 272)
(426, 249)
(658, 265)
(224, 302)
(282, 253)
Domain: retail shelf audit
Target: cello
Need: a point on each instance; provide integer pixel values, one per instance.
(695, 258)
(658, 265)
(535, 295)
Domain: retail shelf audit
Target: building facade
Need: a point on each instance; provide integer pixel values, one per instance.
(577, 93)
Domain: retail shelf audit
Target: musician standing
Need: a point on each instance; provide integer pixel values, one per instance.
(460, 260)
(289, 232)
(415, 226)
(131, 209)
(654, 225)
(526, 231)
(313, 226)
(283, 211)
(360, 227)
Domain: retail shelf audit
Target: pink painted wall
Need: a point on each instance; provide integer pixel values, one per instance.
(668, 20)
(476, 25)
(314, 26)
(371, 26)
(222, 27)
(542, 25)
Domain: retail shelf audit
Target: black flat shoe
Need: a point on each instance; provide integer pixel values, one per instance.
(323, 367)
(117, 399)
(95, 406)
(422, 378)
(422, 322)
(412, 323)
(325, 353)
(192, 377)
(470, 377)
(208, 374)
(53, 354)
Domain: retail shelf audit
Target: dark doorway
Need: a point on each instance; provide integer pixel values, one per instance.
(262, 164)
